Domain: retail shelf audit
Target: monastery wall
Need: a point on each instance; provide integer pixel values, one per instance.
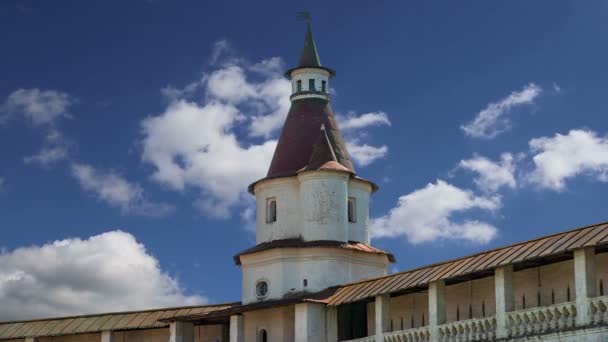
(549, 284)
(279, 324)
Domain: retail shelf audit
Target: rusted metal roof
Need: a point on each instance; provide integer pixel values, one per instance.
(527, 251)
(300, 243)
(96, 323)
(299, 137)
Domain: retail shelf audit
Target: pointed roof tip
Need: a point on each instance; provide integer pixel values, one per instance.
(309, 55)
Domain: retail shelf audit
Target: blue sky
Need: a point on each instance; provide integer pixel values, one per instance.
(129, 128)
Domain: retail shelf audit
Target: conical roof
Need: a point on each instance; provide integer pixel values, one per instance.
(303, 146)
(309, 56)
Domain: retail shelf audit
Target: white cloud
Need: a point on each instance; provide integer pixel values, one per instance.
(39, 106)
(491, 175)
(106, 272)
(561, 157)
(273, 66)
(352, 121)
(364, 154)
(426, 215)
(194, 145)
(55, 149)
(268, 100)
(351, 124)
(113, 189)
(492, 120)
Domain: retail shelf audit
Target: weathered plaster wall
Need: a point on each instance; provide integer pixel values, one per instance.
(208, 333)
(551, 281)
(286, 269)
(323, 200)
(278, 322)
(286, 192)
(313, 206)
(470, 296)
(359, 230)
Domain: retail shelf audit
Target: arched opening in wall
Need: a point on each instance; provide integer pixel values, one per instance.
(271, 210)
(263, 336)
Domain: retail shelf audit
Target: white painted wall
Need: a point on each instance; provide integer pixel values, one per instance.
(323, 203)
(313, 206)
(286, 191)
(310, 322)
(304, 75)
(285, 269)
(278, 322)
(361, 191)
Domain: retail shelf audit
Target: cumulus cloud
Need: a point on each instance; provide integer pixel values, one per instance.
(351, 124)
(40, 107)
(493, 120)
(106, 272)
(364, 154)
(491, 175)
(427, 215)
(267, 101)
(113, 189)
(352, 121)
(562, 157)
(194, 145)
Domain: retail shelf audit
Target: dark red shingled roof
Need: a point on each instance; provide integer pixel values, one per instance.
(300, 243)
(300, 134)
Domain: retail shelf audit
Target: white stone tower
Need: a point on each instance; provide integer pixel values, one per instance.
(312, 227)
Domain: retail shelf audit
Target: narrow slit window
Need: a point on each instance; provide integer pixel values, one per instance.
(324, 86)
(352, 209)
(311, 84)
(271, 210)
(299, 85)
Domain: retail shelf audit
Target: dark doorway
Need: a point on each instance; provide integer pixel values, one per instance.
(352, 321)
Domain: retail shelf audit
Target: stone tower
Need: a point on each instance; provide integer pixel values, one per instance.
(312, 226)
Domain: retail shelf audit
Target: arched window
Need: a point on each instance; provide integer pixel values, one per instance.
(311, 84)
(263, 336)
(299, 85)
(271, 210)
(352, 210)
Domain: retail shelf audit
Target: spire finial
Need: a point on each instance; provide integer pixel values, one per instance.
(309, 56)
(305, 16)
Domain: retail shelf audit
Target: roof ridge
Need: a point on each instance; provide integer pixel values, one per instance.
(471, 255)
(117, 313)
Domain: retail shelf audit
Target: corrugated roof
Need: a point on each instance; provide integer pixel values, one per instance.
(521, 252)
(100, 322)
(300, 243)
